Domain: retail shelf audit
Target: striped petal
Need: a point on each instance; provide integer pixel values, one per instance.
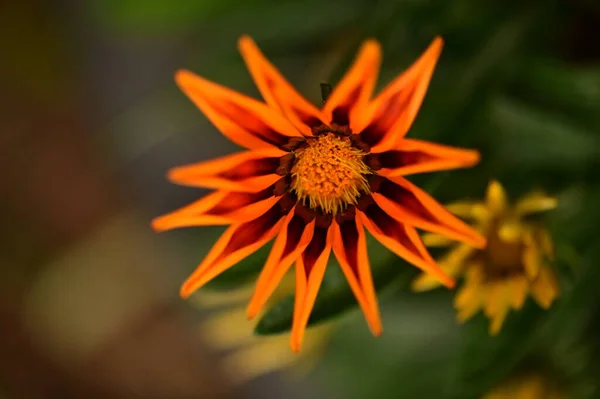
(236, 243)
(350, 249)
(310, 269)
(245, 121)
(407, 203)
(276, 90)
(248, 171)
(401, 239)
(347, 101)
(452, 263)
(218, 208)
(295, 236)
(389, 116)
(412, 156)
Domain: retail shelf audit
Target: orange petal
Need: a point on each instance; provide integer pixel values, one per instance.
(416, 156)
(218, 208)
(242, 119)
(390, 115)
(350, 248)
(397, 238)
(407, 203)
(248, 171)
(237, 242)
(310, 269)
(295, 236)
(350, 96)
(276, 90)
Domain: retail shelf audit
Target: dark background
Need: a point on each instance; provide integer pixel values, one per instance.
(91, 120)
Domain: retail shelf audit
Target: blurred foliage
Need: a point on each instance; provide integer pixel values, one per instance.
(511, 82)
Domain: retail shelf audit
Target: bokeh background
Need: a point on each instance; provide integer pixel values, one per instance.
(91, 120)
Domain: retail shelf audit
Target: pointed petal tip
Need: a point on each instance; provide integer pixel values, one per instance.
(245, 42)
(473, 157)
(182, 75)
(448, 282)
(423, 284)
(295, 344)
(251, 311)
(372, 46)
(494, 328)
(158, 224)
(185, 292)
(174, 174)
(479, 241)
(376, 330)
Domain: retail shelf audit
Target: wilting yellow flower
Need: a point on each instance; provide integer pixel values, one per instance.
(529, 386)
(515, 262)
(313, 179)
(247, 355)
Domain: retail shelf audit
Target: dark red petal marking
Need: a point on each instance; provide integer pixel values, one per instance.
(397, 159)
(248, 121)
(251, 231)
(252, 168)
(341, 114)
(391, 228)
(235, 201)
(294, 231)
(408, 203)
(236, 243)
(315, 248)
(349, 235)
(404, 198)
(386, 116)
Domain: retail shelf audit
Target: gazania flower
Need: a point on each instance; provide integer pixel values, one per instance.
(527, 386)
(313, 179)
(513, 265)
(247, 356)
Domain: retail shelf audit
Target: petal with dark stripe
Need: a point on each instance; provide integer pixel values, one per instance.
(350, 248)
(295, 236)
(236, 243)
(390, 115)
(402, 239)
(276, 90)
(407, 203)
(310, 269)
(248, 171)
(412, 156)
(345, 104)
(244, 120)
(218, 208)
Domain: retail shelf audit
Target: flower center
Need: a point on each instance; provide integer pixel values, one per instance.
(329, 173)
(502, 258)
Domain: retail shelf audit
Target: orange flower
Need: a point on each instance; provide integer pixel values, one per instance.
(313, 179)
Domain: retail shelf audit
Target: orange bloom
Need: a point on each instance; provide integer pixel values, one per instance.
(313, 179)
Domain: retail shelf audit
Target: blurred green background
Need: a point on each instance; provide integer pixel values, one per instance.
(92, 121)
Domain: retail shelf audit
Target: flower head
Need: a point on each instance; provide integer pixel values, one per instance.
(313, 179)
(513, 265)
(247, 356)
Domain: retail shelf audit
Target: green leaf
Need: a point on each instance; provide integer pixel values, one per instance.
(414, 358)
(485, 360)
(527, 137)
(571, 91)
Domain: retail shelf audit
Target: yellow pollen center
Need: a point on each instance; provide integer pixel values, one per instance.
(329, 173)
